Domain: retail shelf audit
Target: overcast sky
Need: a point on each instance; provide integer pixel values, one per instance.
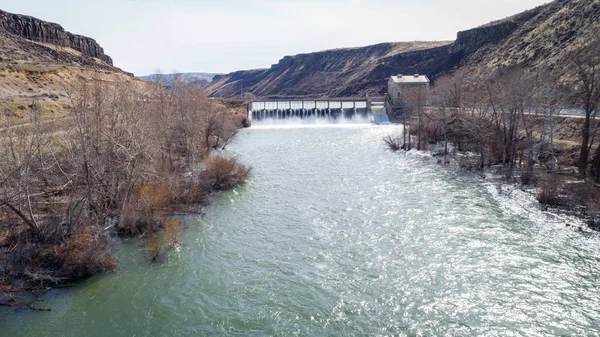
(228, 35)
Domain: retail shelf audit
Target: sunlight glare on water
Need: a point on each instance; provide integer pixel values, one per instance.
(336, 236)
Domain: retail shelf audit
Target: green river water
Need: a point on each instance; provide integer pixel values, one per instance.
(336, 236)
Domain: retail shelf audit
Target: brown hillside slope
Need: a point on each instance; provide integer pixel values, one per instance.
(541, 37)
(327, 73)
(39, 60)
(545, 39)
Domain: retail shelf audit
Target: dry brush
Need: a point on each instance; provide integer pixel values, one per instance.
(121, 162)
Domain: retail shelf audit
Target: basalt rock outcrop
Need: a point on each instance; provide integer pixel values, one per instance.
(339, 72)
(541, 37)
(40, 61)
(47, 32)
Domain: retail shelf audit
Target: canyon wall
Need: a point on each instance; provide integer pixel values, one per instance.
(38, 30)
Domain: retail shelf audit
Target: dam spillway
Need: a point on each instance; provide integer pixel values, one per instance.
(315, 109)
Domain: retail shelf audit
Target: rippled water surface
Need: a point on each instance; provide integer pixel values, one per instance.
(335, 236)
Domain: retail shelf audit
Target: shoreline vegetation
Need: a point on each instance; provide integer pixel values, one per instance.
(509, 123)
(118, 165)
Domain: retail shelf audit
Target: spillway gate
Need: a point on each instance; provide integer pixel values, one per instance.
(330, 108)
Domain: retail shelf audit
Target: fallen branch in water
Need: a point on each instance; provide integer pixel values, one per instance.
(37, 309)
(10, 301)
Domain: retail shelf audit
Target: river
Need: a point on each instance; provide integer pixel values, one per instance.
(336, 236)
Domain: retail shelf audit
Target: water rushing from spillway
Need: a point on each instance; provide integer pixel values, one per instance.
(335, 236)
(298, 119)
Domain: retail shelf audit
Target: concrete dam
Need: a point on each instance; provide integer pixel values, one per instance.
(319, 109)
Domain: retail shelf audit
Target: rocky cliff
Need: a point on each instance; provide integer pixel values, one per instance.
(541, 37)
(339, 72)
(39, 60)
(47, 32)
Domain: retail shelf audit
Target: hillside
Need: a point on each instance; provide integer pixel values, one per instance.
(39, 60)
(339, 72)
(197, 79)
(541, 37)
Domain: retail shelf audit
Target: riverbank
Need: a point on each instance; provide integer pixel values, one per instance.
(118, 166)
(560, 189)
(89, 251)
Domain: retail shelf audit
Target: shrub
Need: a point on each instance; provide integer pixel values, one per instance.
(585, 193)
(224, 173)
(172, 230)
(394, 143)
(157, 242)
(528, 178)
(241, 121)
(548, 194)
(432, 132)
(594, 222)
(87, 251)
(155, 245)
(132, 222)
(195, 195)
(138, 216)
(153, 196)
(596, 166)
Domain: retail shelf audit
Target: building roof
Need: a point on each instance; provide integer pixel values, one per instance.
(410, 79)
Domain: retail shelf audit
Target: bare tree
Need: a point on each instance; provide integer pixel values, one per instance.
(414, 100)
(448, 99)
(550, 99)
(586, 65)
